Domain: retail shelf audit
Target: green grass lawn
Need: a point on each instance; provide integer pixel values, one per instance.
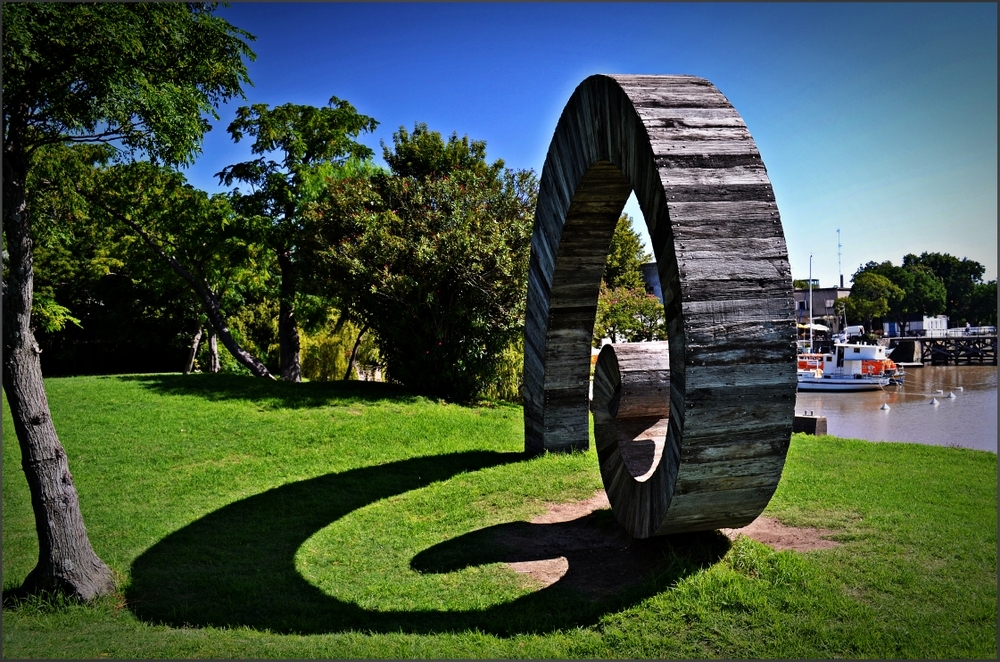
(246, 518)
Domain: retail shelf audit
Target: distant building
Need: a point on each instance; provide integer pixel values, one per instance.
(917, 325)
(823, 301)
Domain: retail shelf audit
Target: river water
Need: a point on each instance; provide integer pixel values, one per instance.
(968, 420)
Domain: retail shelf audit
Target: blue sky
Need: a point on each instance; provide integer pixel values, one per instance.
(877, 119)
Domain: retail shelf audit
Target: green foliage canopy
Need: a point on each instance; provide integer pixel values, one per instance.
(139, 75)
(983, 306)
(432, 256)
(201, 231)
(304, 138)
(626, 312)
(936, 283)
(69, 249)
(191, 235)
(85, 84)
(625, 257)
(311, 144)
(99, 305)
(960, 277)
(923, 292)
(872, 295)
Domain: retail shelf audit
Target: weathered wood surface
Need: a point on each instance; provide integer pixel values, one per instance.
(636, 377)
(723, 268)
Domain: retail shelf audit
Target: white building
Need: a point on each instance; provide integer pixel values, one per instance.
(918, 325)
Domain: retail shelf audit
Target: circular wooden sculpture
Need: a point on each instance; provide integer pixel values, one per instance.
(723, 268)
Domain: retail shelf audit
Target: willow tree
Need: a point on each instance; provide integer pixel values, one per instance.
(141, 77)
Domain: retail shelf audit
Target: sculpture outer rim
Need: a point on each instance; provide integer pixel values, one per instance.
(640, 126)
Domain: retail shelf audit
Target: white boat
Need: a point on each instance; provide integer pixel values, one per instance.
(850, 367)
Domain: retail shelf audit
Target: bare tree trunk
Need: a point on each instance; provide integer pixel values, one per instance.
(189, 366)
(257, 368)
(288, 330)
(67, 563)
(354, 354)
(213, 352)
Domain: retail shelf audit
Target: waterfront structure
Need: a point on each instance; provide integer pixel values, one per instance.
(916, 325)
(824, 300)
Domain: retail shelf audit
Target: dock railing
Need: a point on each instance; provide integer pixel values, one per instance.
(957, 332)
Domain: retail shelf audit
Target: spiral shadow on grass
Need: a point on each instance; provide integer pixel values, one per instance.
(236, 566)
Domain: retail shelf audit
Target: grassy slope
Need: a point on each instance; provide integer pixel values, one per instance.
(253, 519)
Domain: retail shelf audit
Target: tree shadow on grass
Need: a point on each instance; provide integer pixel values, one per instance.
(269, 393)
(236, 566)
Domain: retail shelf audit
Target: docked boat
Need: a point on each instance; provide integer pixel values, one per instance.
(850, 367)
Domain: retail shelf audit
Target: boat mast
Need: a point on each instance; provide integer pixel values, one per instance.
(811, 302)
(839, 270)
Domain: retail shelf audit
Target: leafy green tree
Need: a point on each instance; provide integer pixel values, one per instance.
(97, 307)
(628, 314)
(432, 257)
(68, 248)
(310, 143)
(983, 307)
(625, 257)
(142, 77)
(923, 292)
(872, 295)
(196, 235)
(960, 278)
(626, 311)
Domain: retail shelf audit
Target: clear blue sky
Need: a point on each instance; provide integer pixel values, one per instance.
(877, 119)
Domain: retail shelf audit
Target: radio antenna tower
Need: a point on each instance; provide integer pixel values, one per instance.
(839, 270)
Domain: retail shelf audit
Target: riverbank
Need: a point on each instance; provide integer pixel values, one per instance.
(255, 519)
(968, 419)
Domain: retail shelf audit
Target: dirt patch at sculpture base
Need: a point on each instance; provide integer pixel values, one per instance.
(776, 535)
(580, 545)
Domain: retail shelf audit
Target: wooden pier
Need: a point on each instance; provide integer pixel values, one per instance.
(959, 350)
(950, 350)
